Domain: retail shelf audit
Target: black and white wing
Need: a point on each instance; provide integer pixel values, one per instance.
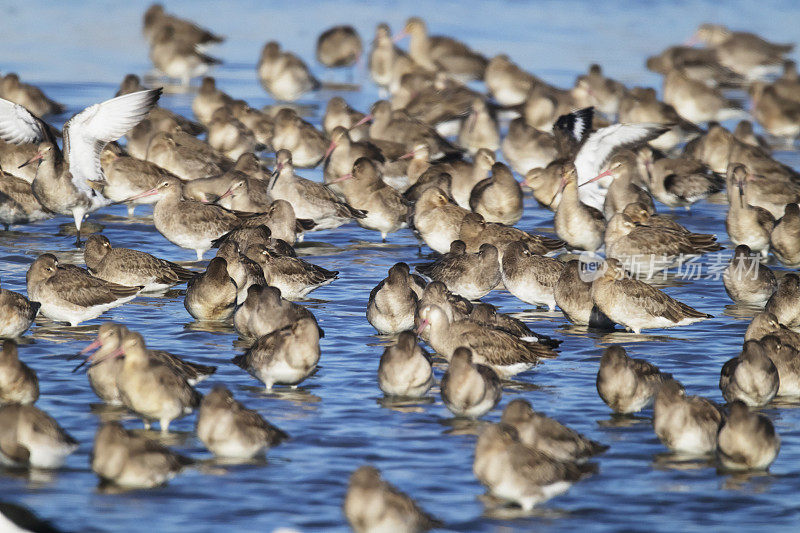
(20, 126)
(576, 124)
(89, 131)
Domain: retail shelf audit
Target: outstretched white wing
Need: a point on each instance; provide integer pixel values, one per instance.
(89, 131)
(18, 125)
(599, 148)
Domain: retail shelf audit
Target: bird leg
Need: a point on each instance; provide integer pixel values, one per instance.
(77, 216)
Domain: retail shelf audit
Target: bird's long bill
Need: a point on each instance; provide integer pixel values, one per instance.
(91, 347)
(149, 192)
(116, 353)
(407, 155)
(422, 326)
(400, 36)
(366, 118)
(691, 41)
(559, 190)
(740, 186)
(274, 177)
(226, 193)
(343, 177)
(38, 156)
(598, 177)
(330, 149)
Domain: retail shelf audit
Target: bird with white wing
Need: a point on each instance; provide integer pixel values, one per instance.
(67, 179)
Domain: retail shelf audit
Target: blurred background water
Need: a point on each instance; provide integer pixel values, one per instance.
(80, 51)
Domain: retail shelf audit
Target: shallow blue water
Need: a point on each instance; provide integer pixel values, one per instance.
(79, 53)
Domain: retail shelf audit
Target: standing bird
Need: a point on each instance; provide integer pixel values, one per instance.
(372, 505)
(229, 429)
(582, 226)
(573, 295)
(544, 434)
(131, 267)
(32, 438)
(745, 223)
(265, 311)
(472, 276)
(310, 199)
(685, 424)
(18, 383)
(498, 198)
(530, 277)
(438, 52)
(637, 305)
(339, 46)
(627, 385)
(386, 210)
(66, 181)
(404, 369)
(784, 240)
(284, 75)
(393, 301)
(469, 389)
(746, 440)
(286, 356)
(750, 377)
(746, 280)
(517, 473)
(503, 352)
(785, 301)
(178, 58)
(787, 360)
(188, 223)
(70, 294)
(212, 294)
(133, 461)
(150, 388)
(17, 313)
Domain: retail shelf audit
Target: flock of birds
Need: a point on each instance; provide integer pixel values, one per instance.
(426, 159)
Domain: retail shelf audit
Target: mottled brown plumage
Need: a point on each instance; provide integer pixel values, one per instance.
(17, 313)
(469, 389)
(544, 434)
(475, 231)
(627, 385)
(212, 294)
(514, 472)
(131, 267)
(18, 382)
(750, 377)
(469, 275)
(685, 424)
(505, 353)
(637, 305)
(133, 461)
(68, 293)
(286, 356)
(29, 437)
(746, 440)
(294, 277)
(229, 429)
(372, 504)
